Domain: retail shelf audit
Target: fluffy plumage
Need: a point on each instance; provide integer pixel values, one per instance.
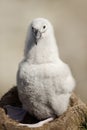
(44, 81)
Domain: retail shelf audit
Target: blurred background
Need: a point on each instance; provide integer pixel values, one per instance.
(69, 18)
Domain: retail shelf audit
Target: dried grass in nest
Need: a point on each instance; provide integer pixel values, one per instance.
(75, 118)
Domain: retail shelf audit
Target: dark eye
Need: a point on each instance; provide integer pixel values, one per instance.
(44, 27)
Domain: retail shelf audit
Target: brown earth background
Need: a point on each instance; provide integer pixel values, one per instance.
(69, 18)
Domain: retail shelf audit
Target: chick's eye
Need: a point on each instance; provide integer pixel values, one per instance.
(44, 27)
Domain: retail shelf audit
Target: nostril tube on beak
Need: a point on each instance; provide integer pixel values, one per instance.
(36, 34)
(34, 30)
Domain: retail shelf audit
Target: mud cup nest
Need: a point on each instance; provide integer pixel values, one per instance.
(75, 118)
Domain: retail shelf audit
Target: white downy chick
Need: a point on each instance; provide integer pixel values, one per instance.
(44, 81)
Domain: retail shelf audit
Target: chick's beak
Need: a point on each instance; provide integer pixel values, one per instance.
(36, 34)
